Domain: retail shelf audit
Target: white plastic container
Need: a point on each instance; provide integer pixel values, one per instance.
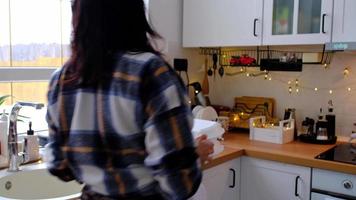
(31, 147)
(281, 134)
(4, 123)
(212, 130)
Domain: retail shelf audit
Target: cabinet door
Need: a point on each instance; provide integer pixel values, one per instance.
(297, 22)
(233, 185)
(261, 179)
(209, 23)
(223, 181)
(344, 26)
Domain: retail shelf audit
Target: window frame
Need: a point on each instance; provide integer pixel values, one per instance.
(13, 73)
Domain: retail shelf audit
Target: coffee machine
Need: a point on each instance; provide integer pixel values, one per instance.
(324, 129)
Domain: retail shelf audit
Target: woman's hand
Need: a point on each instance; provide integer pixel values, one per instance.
(204, 148)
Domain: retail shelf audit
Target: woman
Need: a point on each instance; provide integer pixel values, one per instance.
(117, 113)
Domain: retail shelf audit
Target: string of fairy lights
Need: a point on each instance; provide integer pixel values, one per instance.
(294, 84)
(295, 87)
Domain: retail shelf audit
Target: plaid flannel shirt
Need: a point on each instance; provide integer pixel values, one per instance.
(133, 137)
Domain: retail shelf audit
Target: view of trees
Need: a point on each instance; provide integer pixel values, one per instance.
(40, 35)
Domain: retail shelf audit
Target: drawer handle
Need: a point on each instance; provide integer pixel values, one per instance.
(296, 186)
(323, 24)
(254, 27)
(347, 184)
(233, 178)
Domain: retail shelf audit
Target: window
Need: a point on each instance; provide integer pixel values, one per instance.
(34, 41)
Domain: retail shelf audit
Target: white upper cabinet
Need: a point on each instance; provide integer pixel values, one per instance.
(297, 22)
(344, 26)
(210, 23)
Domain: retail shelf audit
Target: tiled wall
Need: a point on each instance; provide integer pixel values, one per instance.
(307, 102)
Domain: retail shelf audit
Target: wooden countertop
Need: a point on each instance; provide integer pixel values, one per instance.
(228, 154)
(237, 144)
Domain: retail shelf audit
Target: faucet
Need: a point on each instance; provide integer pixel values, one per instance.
(14, 155)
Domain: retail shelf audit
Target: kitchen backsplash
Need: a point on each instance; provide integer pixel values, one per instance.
(308, 101)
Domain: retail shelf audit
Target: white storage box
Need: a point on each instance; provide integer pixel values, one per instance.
(281, 134)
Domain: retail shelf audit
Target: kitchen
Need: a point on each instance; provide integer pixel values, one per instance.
(248, 169)
(202, 24)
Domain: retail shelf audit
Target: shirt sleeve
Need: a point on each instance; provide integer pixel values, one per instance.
(57, 164)
(169, 141)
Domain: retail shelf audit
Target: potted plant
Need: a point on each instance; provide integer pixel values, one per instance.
(3, 99)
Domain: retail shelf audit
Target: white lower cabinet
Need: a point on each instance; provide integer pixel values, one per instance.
(222, 182)
(269, 180)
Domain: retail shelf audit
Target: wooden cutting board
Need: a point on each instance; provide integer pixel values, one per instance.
(246, 107)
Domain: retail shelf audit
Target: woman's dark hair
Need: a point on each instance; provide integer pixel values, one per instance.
(103, 28)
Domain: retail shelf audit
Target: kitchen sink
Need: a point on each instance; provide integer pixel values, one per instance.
(34, 182)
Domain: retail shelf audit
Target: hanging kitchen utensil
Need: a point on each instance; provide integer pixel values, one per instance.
(205, 85)
(215, 61)
(221, 71)
(210, 72)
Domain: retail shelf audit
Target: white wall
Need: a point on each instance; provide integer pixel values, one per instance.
(307, 102)
(166, 18)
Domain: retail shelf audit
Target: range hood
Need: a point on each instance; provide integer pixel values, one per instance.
(340, 46)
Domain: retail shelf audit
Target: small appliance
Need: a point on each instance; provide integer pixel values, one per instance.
(324, 130)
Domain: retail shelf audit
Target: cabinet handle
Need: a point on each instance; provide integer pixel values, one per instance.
(296, 186)
(233, 178)
(254, 27)
(323, 24)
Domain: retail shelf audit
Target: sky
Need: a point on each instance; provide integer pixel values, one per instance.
(35, 21)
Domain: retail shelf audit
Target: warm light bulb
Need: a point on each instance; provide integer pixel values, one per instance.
(224, 56)
(241, 70)
(316, 89)
(190, 102)
(196, 91)
(290, 90)
(346, 71)
(270, 78)
(248, 74)
(266, 77)
(297, 90)
(349, 89)
(330, 91)
(289, 82)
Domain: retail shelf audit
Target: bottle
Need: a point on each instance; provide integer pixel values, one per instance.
(3, 135)
(330, 117)
(321, 116)
(31, 145)
(321, 127)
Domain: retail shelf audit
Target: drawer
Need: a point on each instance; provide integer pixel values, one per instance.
(334, 182)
